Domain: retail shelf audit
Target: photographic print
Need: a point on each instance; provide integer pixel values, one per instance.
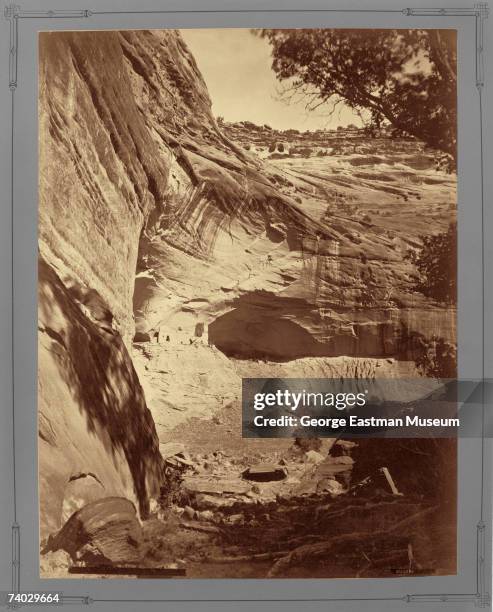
(222, 204)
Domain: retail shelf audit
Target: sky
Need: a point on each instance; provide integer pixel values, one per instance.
(236, 66)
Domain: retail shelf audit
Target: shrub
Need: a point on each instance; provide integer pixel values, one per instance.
(436, 358)
(304, 151)
(436, 263)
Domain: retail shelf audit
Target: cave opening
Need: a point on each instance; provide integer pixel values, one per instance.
(253, 333)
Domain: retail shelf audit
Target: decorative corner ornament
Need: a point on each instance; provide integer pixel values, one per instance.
(16, 564)
(482, 12)
(11, 13)
(483, 599)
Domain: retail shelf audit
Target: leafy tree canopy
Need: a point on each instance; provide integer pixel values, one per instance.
(404, 77)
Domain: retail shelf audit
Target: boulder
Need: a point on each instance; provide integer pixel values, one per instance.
(216, 487)
(342, 460)
(236, 519)
(189, 512)
(106, 531)
(265, 472)
(342, 447)
(142, 337)
(314, 457)
(330, 485)
(212, 502)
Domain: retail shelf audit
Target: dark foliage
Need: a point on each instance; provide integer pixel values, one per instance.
(404, 77)
(436, 263)
(437, 358)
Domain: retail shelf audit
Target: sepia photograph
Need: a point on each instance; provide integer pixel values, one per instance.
(218, 205)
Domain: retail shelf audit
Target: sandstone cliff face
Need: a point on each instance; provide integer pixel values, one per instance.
(284, 259)
(100, 177)
(101, 173)
(96, 436)
(152, 219)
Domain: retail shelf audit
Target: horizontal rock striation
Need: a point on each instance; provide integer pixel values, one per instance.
(101, 173)
(255, 250)
(154, 220)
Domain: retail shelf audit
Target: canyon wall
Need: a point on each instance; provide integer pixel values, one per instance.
(100, 177)
(155, 225)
